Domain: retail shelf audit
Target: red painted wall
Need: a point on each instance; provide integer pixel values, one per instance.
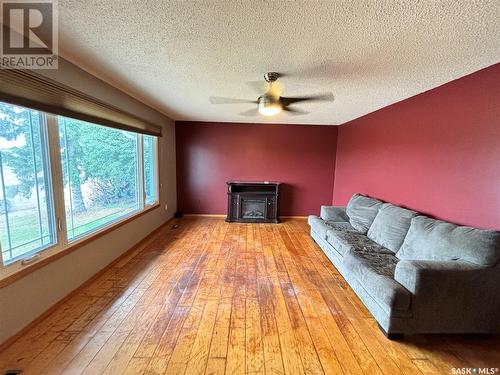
(437, 152)
(209, 154)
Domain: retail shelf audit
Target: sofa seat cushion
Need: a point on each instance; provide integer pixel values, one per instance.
(375, 272)
(436, 240)
(351, 240)
(362, 211)
(390, 226)
(321, 227)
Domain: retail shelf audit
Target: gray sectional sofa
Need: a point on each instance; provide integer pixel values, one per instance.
(415, 274)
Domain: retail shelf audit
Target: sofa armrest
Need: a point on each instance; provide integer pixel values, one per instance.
(451, 296)
(333, 213)
(436, 278)
(419, 275)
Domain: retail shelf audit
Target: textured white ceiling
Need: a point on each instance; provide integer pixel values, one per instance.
(173, 55)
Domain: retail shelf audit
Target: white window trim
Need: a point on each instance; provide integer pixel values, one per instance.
(156, 158)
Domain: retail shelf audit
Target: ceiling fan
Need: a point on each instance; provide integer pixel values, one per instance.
(271, 102)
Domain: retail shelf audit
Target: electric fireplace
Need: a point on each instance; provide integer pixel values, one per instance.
(253, 201)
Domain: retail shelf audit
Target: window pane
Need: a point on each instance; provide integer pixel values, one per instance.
(150, 169)
(100, 175)
(26, 214)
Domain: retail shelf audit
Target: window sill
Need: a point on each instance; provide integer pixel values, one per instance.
(9, 279)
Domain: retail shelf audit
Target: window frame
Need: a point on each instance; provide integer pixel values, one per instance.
(156, 170)
(49, 195)
(38, 258)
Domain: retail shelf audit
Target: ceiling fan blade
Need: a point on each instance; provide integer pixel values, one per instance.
(294, 111)
(223, 100)
(250, 112)
(321, 97)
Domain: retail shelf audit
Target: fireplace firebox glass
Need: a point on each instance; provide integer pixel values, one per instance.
(253, 208)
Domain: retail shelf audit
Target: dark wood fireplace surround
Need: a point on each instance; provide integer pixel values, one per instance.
(253, 201)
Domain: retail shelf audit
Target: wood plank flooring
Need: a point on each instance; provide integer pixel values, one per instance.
(216, 298)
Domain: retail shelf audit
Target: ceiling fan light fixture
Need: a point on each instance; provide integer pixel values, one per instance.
(269, 106)
(272, 103)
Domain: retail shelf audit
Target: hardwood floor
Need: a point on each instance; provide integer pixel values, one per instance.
(212, 297)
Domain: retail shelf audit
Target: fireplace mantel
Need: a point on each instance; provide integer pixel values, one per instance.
(253, 201)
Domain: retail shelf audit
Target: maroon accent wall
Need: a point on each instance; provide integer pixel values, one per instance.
(209, 154)
(437, 152)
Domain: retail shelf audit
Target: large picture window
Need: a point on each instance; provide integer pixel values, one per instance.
(105, 175)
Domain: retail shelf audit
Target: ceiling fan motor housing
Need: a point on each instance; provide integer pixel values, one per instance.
(271, 76)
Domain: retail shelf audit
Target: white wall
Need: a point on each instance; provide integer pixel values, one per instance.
(27, 298)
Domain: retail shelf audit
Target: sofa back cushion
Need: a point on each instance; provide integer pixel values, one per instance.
(430, 239)
(334, 213)
(362, 211)
(390, 226)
